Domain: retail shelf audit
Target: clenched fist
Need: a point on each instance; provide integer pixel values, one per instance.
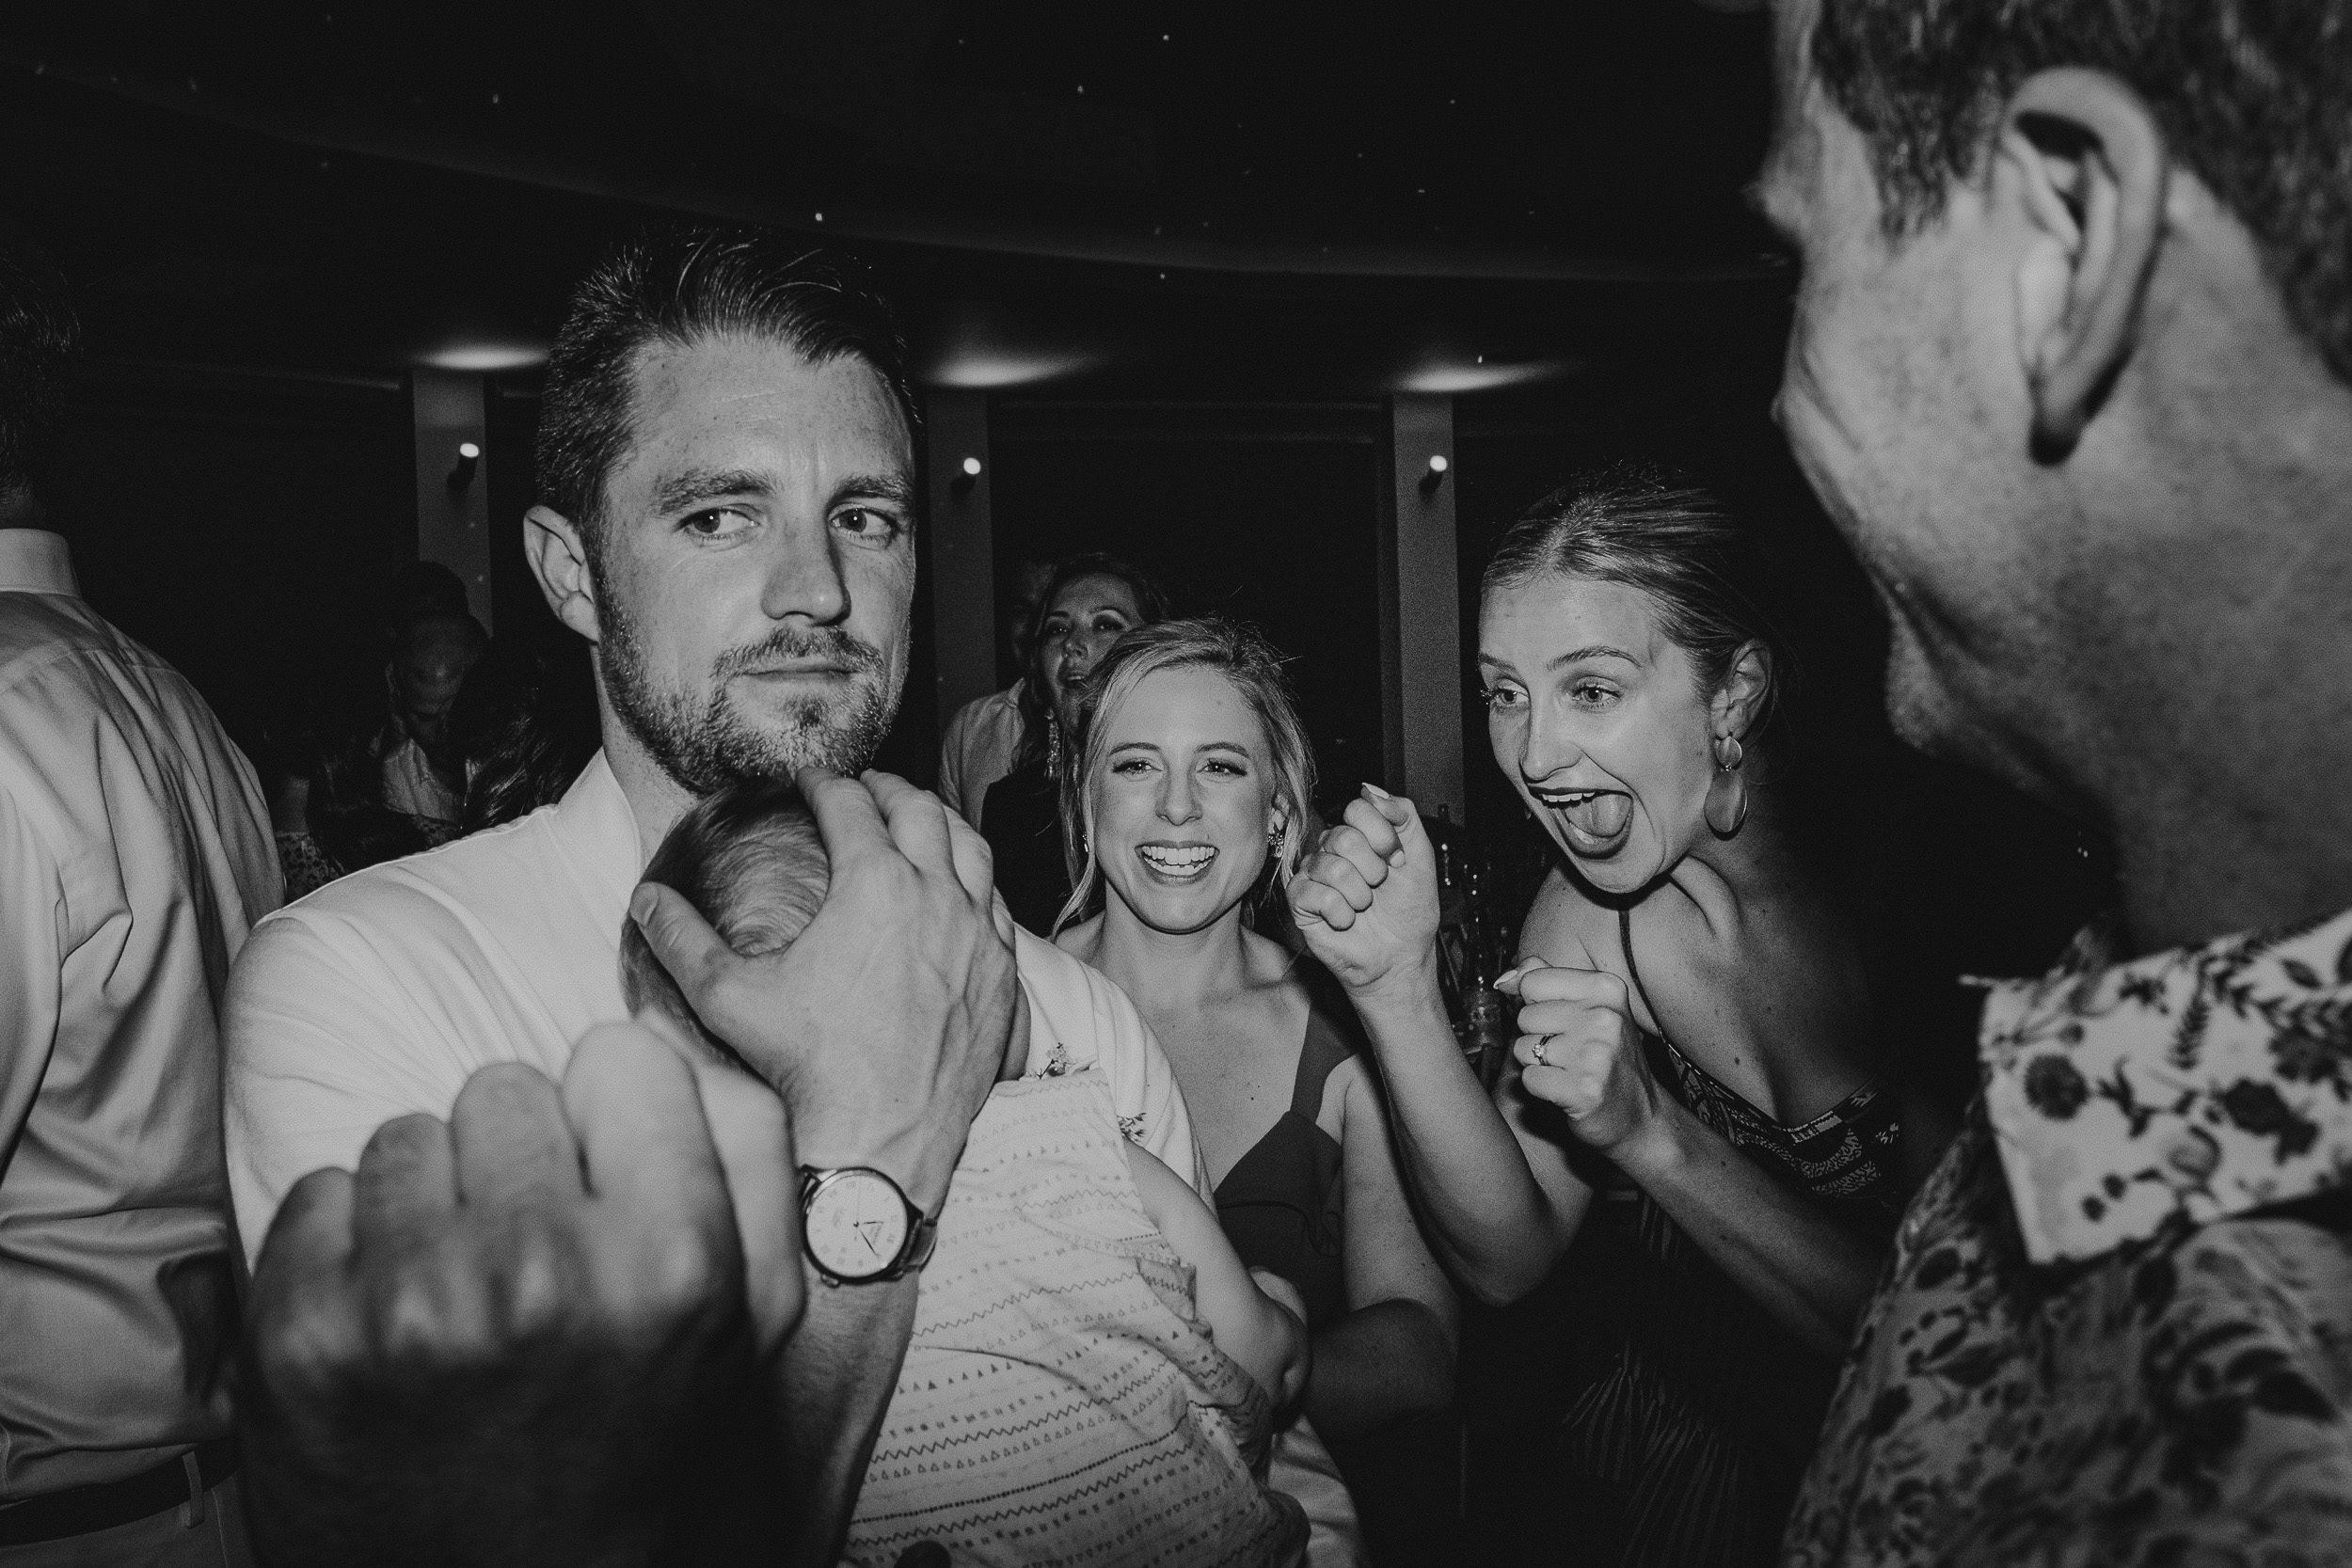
(1366, 900)
(1583, 1052)
(540, 1333)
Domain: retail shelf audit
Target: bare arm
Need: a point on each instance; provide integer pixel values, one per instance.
(1499, 1201)
(836, 1374)
(1501, 1213)
(1579, 1051)
(1393, 1355)
(1267, 1338)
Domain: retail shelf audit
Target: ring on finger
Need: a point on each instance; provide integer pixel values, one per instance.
(1536, 1050)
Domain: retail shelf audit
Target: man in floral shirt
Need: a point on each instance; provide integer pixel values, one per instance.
(2072, 368)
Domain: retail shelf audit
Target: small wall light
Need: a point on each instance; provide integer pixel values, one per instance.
(1431, 479)
(971, 467)
(468, 458)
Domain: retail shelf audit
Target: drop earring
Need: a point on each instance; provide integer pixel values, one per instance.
(1727, 791)
(1053, 748)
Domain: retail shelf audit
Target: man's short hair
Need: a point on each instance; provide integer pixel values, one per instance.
(2254, 97)
(679, 284)
(38, 335)
(751, 860)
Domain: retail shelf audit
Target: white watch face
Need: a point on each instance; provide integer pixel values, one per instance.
(856, 1225)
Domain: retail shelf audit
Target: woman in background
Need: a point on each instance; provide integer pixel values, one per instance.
(1724, 1086)
(1187, 806)
(1090, 602)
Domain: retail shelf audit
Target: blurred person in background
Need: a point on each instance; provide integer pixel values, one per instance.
(525, 724)
(134, 856)
(978, 746)
(423, 588)
(1089, 602)
(424, 775)
(379, 769)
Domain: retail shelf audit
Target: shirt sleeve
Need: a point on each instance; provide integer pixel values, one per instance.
(32, 912)
(1079, 1017)
(312, 1041)
(953, 744)
(1167, 1125)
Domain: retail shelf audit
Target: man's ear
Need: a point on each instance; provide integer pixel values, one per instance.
(559, 558)
(2086, 161)
(1737, 701)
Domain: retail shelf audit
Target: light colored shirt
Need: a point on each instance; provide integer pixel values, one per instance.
(380, 995)
(135, 854)
(1061, 1399)
(977, 749)
(2118, 1323)
(411, 786)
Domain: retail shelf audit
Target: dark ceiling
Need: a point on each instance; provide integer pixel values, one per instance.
(1211, 199)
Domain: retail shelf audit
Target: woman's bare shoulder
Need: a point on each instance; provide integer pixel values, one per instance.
(1564, 927)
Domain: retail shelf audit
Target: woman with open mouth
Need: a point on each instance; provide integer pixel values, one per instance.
(1091, 601)
(1187, 810)
(1727, 1080)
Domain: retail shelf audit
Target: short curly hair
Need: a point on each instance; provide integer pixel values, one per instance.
(2254, 95)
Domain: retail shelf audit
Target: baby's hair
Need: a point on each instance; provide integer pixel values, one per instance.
(749, 858)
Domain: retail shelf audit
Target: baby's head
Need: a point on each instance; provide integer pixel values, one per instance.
(749, 858)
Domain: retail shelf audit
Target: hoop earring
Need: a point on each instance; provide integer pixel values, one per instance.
(1727, 809)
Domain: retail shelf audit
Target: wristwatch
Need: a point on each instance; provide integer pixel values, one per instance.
(859, 1228)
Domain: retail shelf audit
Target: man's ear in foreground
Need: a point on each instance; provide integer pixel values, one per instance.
(2085, 161)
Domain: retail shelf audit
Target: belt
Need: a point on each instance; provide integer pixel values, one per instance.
(80, 1509)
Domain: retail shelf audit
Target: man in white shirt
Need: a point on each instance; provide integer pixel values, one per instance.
(726, 456)
(135, 853)
(977, 748)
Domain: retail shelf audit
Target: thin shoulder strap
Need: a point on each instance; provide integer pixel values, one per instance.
(1331, 1039)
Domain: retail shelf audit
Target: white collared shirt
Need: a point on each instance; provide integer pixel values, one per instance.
(978, 749)
(135, 854)
(380, 995)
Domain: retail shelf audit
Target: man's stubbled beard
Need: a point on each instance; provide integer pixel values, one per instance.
(706, 744)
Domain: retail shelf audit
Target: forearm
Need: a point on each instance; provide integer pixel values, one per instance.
(1270, 1342)
(838, 1370)
(1491, 1222)
(1812, 1275)
(1380, 1364)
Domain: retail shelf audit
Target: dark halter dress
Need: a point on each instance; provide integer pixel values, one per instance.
(1698, 1413)
(1021, 818)
(1281, 1204)
(1283, 1207)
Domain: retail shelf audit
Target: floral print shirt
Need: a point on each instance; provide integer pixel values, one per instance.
(2116, 1324)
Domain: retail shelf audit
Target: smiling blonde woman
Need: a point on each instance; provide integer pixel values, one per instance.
(1189, 808)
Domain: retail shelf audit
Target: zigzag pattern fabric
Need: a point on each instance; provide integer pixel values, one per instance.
(1062, 1400)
